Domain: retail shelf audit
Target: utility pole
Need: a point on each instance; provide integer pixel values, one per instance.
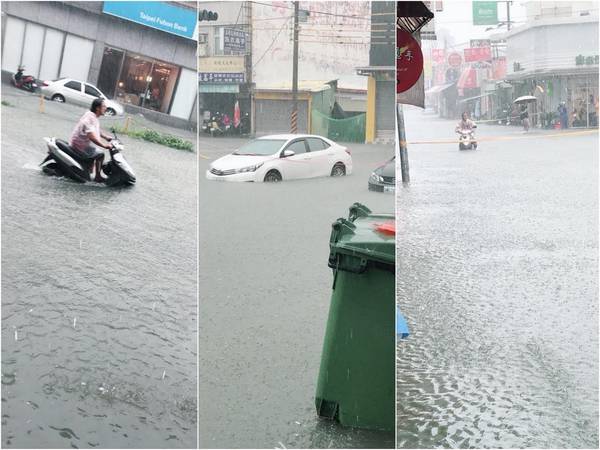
(402, 144)
(295, 73)
(508, 15)
(248, 59)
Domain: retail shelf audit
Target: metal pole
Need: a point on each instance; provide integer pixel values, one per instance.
(587, 102)
(402, 144)
(508, 15)
(295, 74)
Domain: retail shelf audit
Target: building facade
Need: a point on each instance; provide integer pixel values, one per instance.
(142, 54)
(224, 59)
(554, 57)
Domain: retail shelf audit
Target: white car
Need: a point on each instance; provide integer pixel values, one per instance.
(283, 157)
(75, 91)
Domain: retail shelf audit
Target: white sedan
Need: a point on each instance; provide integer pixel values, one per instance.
(75, 91)
(283, 157)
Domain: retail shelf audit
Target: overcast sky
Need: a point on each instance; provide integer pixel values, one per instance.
(456, 20)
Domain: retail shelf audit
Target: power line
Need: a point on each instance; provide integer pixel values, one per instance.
(328, 13)
(271, 44)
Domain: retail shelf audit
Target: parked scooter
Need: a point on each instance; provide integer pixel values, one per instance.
(26, 82)
(64, 161)
(466, 139)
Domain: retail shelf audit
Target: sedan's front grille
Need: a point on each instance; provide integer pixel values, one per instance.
(389, 180)
(221, 173)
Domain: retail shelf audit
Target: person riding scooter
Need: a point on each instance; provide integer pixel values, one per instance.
(466, 127)
(87, 131)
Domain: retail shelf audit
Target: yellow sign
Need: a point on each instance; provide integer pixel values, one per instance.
(221, 64)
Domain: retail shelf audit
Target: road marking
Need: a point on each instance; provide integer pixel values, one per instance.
(203, 156)
(508, 138)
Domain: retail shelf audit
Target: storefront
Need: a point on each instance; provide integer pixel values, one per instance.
(142, 54)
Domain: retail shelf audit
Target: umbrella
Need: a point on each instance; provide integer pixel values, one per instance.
(526, 99)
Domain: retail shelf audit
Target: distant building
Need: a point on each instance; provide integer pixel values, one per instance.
(554, 56)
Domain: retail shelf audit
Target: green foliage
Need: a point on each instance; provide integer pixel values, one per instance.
(159, 138)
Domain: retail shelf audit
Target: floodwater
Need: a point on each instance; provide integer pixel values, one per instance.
(498, 278)
(264, 298)
(99, 329)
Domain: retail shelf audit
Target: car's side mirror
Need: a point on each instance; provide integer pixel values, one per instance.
(288, 153)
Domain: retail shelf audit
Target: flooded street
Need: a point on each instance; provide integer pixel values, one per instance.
(264, 298)
(99, 329)
(498, 278)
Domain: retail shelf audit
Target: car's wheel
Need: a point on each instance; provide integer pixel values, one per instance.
(58, 98)
(110, 112)
(272, 176)
(339, 170)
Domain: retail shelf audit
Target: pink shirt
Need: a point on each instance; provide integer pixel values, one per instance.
(88, 122)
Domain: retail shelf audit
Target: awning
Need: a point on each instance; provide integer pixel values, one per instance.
(219, 88)
(476, 97)
(439, 88)
(467, 79)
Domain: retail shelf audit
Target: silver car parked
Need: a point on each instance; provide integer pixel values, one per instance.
(78, 92)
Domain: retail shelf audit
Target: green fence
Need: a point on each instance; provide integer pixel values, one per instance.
(351, 129)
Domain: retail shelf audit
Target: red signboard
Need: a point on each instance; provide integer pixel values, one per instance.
(499, 68)
(454, 59)
(478, 54)
(437, 55)
(409, 61)
(468, 79)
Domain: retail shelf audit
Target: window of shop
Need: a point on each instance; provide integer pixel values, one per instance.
(109, 71)
(136, 80)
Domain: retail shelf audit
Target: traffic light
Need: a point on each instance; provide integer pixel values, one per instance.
(207, 15)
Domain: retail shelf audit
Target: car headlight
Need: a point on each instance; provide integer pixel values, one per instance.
(249, 168)
(376, 178)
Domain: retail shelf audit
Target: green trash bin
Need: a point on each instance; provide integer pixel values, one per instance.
(357, 374)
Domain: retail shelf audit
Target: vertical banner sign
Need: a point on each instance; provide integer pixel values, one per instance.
(437, 55)
(409, 61)
(485, 13)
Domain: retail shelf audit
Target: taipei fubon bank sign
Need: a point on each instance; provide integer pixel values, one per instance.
(159, 15)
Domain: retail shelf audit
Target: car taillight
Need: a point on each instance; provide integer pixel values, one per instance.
(347, 150)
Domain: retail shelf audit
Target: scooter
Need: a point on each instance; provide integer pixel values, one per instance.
(64, 161)
(26, 82)
(466, 139)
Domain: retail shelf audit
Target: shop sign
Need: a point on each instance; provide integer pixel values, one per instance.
(485, 13)
(409, 61)
(481, 43)
(437, 55)
(159, 15)
(222, 64)
(581, 60)
(454, 59)
(219, 88)
(478, 54)
(499, 68)
(221, 77)
(234, 40)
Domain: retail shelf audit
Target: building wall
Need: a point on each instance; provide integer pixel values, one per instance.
(385, 103)
(273, 116)
(552, 46)
(320, 56)
(230, 13)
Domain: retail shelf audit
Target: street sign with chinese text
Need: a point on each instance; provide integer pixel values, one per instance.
(581, 60)
(485, 13)
(478, 54)
(409, 61)
(220, 77)
(499, 68)
(222, 64)
(234, 40)
(481, 43)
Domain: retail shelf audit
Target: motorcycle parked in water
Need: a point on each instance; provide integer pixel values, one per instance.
(64, 161)
(26, 82)
(466, 139)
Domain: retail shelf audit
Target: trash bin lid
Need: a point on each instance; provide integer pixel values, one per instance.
(364, 235)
